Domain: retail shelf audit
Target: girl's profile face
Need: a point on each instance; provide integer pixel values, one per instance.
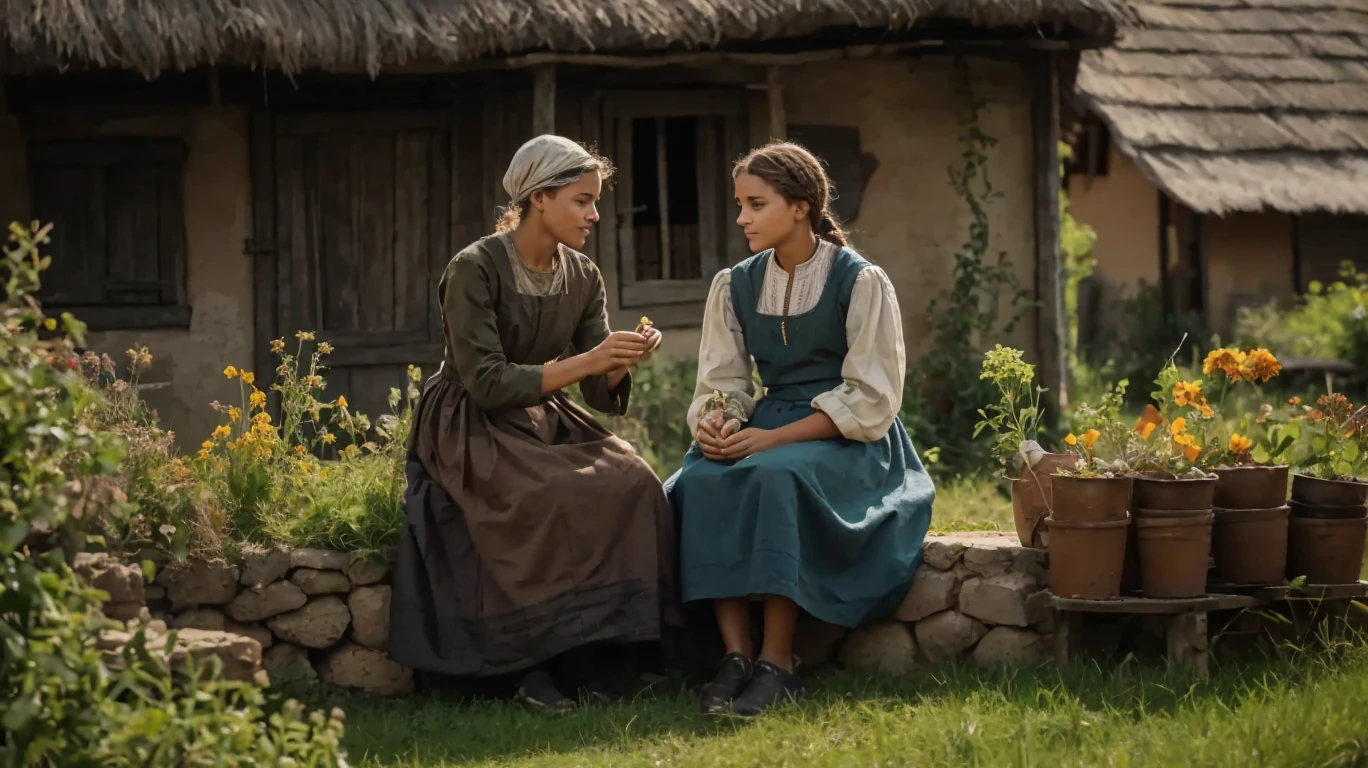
(766, 217)
(569, 212)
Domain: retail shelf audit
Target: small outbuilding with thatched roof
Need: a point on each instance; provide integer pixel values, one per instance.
(222, 174)
(1225, 156)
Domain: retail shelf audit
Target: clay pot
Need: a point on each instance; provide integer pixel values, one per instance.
(1250, 545)
(1142, 514)
(1251, 487)
(1086, 557)
(1326, 551)
(1032, 494)
(1322, 512)
(1090, 499)
(1174, 554)
(1161, 493)
(1330, 493)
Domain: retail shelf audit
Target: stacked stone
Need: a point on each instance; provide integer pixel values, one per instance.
(310, 611)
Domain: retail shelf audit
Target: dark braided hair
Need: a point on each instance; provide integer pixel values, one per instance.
(796, 174)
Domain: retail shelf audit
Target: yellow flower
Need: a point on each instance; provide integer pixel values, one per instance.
(1206, 410)
(304, 335)
(349, 450)
(1090, 437)
(1179, 424)
(299, 450)
(258, 398)
(1294, 402)
(1192, 452)
(248, 377)
(233, 413)
(1187, 440)
(230, 372)
(314, 381)
(1260, 365)
(341, 401)
(1187, 393)
(206, 445)
(277, 345)
(222, 431)
(1071, 439)
(50, 324)
(1228, 361)
(1239, 443)
(1147, 429)
(325, 348)
(329, 438)
(261, 418)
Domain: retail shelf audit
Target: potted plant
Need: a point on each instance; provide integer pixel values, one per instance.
(1176, 428)
(1015, 422)
(1245, 461)
(1325, 540)
(1089, 521)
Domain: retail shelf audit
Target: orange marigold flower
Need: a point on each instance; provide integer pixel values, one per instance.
(1260, 365)
(1089, 438)
(1187, 393)
(1227, 361)
(1147, 429)
(1192, 452)
(1294, 401)
(1179, 424)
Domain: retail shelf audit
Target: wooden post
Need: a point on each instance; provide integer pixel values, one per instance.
(663, 200)
(544, 99)
(774, 89)
(1050, 325)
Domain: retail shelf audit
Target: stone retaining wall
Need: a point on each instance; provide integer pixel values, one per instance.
(977, 598)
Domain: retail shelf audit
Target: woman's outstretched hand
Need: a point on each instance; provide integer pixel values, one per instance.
(620, 351)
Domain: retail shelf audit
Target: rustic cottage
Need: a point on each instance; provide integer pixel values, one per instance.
(223, 174)
(1225, 156)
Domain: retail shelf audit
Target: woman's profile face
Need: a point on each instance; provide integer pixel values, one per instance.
(569, 212)
(766, 217)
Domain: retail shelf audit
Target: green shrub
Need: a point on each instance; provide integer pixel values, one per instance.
(59, 702)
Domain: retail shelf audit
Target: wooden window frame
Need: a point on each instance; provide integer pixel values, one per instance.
(166, 157)
(673, 302)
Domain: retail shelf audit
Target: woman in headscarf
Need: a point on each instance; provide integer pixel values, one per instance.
(533, 533)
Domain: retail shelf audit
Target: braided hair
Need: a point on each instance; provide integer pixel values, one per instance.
(796, 174)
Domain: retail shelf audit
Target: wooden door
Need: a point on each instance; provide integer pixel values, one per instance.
(362, 232)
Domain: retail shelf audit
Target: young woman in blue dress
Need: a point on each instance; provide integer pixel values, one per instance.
(811, 497)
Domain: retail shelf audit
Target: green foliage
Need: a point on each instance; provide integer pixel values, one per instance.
(1076, 243)
(655, 424)
(60, 702)
(1327, 322)
(1015, 418)
(983, 303)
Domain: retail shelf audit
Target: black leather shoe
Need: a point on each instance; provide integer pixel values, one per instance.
(771, 685)
(731, 679)
(538, 692)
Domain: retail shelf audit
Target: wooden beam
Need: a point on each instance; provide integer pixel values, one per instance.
(663, 200)
(774, 90)
(1050, 333)
(544, 100)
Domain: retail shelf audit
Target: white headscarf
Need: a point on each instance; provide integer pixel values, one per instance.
(540, 161)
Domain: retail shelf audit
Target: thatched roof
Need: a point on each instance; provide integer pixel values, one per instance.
(293, 35)
(1236, 105)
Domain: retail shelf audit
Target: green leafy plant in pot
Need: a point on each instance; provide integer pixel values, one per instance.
(1014, 421)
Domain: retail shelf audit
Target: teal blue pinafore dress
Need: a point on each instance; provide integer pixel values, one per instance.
(835, 525)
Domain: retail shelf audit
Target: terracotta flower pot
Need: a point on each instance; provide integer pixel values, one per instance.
(1031, 497)
(1331, 493)
(1250, 545)
(1166, 493)
(1251, 487)
(1326, 551)
(1323, 512)
(1174, 554)
(1086, 557)
(1090, 499)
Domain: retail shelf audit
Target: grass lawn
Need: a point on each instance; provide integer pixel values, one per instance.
(1303, 709)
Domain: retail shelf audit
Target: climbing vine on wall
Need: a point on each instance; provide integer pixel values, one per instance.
(982, 304)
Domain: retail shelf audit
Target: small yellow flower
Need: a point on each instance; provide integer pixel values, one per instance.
(1071, 439)
(277, 345)
(1192, 452)
(305, 335)
(314, 381)
(329, 438)
(325, 348)
(261, 418)
(1294, 402)
(230, 372)
(1147, 429)
(248, 377)
(1239, 443)
(258, 398)
(349, 450)
(222, 431)
(1187, 440)
(1228, 361)
(1206, 410)
(50, 324)
(233, 413)
(299, 450)
(1260, 365)
(1187, 393)
(206, 445)
(1090, 438)
(341, 401)
(1179, 424)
